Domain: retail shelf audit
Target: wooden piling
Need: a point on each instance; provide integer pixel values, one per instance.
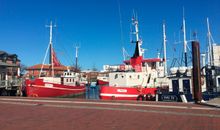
(197, 93)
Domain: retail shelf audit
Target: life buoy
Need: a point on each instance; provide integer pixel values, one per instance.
(34, 95)
(140, 89)
(113, 97)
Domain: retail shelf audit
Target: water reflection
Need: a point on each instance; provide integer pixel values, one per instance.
(92, 92)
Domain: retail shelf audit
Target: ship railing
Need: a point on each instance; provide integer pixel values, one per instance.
(9, 84)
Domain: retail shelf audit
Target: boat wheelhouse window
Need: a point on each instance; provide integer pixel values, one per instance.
(153, 65)
(67, 80)
(116, 76)
(138, 76)
(186, 86)
(70, 80)
(218, 82)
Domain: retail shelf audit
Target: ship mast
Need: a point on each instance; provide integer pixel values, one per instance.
(50, 48)
(138, 41)
(51, 55)
(184, 39)
(210, 49)
(76, 57)
(164, 49)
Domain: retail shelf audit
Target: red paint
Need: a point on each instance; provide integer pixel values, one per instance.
(112, 93)
(101, 82)
(37, 88)
(148, 60)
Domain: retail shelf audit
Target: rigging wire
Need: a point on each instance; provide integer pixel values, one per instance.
(125, 54)
(120, 18)
(63, 51)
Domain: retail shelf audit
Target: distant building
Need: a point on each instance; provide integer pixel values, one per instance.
(9, 66)
(9, 74)
(34, 71)
(216, 55)
(90, 75)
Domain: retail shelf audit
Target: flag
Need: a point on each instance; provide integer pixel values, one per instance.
(55, 61)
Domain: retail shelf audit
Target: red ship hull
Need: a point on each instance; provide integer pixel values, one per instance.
(126, 93)
(38, 88)
(101, 82)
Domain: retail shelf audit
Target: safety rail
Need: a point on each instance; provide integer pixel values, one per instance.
(9, 84)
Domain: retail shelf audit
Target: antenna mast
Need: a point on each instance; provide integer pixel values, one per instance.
(164, 48)
(184, 38)
(51, 47)
(210, 51)
(76, 57)
(138, 41)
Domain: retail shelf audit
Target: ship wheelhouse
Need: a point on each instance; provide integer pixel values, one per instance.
(70, 78)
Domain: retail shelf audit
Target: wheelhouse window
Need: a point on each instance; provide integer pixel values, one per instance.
(116, 76)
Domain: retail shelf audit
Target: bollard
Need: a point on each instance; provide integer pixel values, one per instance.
(197, 94)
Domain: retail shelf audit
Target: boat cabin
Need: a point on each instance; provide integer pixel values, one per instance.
(70, 78)
(181, 85)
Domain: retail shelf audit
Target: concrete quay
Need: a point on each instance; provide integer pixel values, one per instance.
(77, 114)
(214, 102)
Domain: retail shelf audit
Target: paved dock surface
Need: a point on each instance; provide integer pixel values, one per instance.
(76, 114)
(214, 102)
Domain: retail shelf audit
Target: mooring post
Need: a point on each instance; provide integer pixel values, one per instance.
(197, 93)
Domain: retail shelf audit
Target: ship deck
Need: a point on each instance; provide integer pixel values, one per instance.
(62, 113)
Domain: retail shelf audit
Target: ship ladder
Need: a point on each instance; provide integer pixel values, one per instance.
(140, 96)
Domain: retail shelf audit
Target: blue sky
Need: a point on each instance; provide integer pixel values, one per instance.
(95, 26)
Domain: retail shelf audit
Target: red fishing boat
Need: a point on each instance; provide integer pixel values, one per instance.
(64, 86)
(102, 79)
(137, 78)
(68, 84)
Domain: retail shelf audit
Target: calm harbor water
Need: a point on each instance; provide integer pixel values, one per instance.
(92, 92)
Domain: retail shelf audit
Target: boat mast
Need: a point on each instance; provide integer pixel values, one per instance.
(51, 48)
(76, 57)
(184, 39)
(164, 49)
(210, 51)
(138, 41)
